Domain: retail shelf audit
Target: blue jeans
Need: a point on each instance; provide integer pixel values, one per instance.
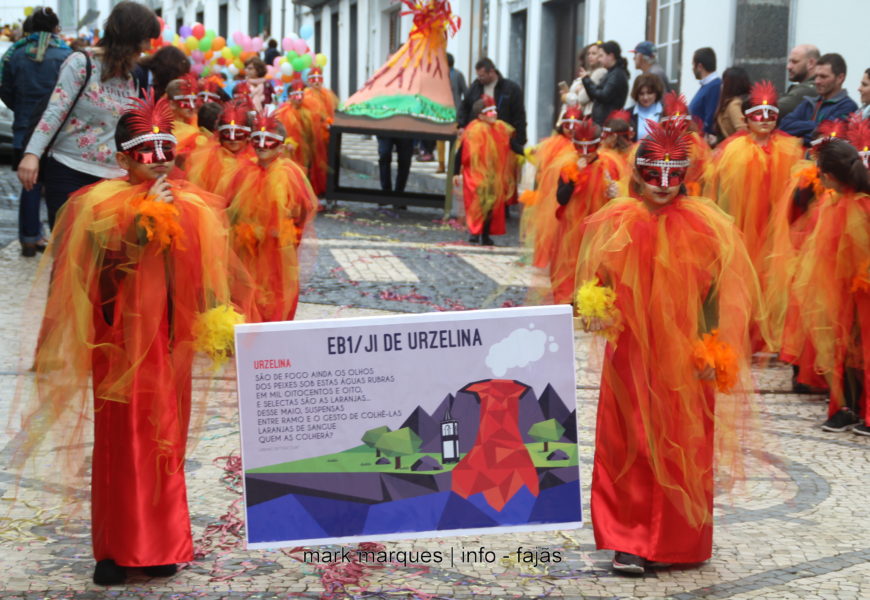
(29, 226)
(404, 150)
(60, 181)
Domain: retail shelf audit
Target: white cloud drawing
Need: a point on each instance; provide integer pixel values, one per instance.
(520, 348)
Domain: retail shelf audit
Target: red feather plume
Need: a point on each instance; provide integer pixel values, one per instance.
(487, 101)
(858, 132)
(189, 84)
(674, 104)
(265, 122)
(572, 112)
(241, 87)
(235, 112)
(831, 129)
(621, 115)
(586, 130)
(148, 116)
(315, 71)
(665, 142)
(763, 93)
(297, 85)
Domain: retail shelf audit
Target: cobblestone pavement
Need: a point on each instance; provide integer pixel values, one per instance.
(793, 530)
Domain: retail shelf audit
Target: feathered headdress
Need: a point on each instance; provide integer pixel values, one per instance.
(242, 89)
(674, 108)
(315, 74)
(208, 89)
(827, 131)
(150, 122)
(187, 89)
(233, 123)
(665, 148)
(488, 103)
(572, 116)
(763, 97)
(586, 135)
(858, 134)
(297, 87)
(265, 128)
(617, 115)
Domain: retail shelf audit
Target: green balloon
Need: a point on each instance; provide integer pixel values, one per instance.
(307, 59)
(298, 63)
(205, 44)
(291, 54)
(209, 33)
(205, 71)
(236, 49)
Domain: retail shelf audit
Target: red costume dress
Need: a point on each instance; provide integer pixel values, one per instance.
(488, 174)
(321, 102)
(677, 270)
(590, 193)
(302, 127)
(122, 306)
(211, 166)
(270, 210)
(832, 288)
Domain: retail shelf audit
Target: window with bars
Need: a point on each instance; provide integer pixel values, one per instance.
(665, 28)
(394, 41)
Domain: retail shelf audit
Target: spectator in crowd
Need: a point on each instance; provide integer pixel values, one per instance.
(84, 151)
(801, 72)
(705, 101)
(260, 88)
(272, 52)
(864, 92)
(459, 89)
(28, 75)
(575, 95)
(729, 113)
(647, 92)
(831, 102)
(610, 94)
(508, 100)
(645, 62)
(163, 66)
(404, 151)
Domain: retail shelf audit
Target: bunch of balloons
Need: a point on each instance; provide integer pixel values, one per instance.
(210, 52)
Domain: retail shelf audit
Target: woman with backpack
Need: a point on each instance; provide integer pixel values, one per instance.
(76, 131)
(28, 74)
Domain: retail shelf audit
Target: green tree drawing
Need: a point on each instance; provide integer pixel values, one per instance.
(547, 431)
(370, 437)
(399, 443)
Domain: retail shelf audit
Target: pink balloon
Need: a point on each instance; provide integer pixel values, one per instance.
(197, 68)
(256, 44)
(197, 55)
(299, 46)
(287, 44)
(276, 62)
(238, 37)
(247, 46)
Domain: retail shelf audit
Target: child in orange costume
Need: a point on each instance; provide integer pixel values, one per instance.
(832, 285)
(586, 183)
(751, 171)
(137, 262)
(322, 102)
(616, 136)
(488, 172)
(675, 110)
(183, 101)
(272, 204)
(657, 271)
(792, 221)
(213, 165)
(539, 223)
(301, 126)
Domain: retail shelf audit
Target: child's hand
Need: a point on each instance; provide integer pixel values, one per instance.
(596, 324)
(161, 190)
(457, 180)
(581, 163)
(612, 190)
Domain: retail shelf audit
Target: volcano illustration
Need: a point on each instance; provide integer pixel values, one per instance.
(415, 80)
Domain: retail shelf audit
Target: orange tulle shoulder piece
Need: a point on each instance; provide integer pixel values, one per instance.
(711, 352)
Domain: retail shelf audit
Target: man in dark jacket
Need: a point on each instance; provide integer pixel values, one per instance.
(831, 104)
(508, 100)
(801, 72)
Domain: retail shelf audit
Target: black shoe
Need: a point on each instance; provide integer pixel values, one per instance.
(628, 563)
(161, 570)
(802, 388)
(653, 564)
(486, 241)
(861, 430)
(107, 572)
(474, 239)
(29, 250)
(843, 420)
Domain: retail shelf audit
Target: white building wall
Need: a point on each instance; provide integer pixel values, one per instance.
(707, 24)
(836, 26)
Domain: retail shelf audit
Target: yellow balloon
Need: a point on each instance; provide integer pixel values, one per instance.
(28, 10)
(192, 43)
(320, 60)
(227, 53)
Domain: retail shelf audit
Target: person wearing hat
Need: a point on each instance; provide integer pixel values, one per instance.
(645, 62)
